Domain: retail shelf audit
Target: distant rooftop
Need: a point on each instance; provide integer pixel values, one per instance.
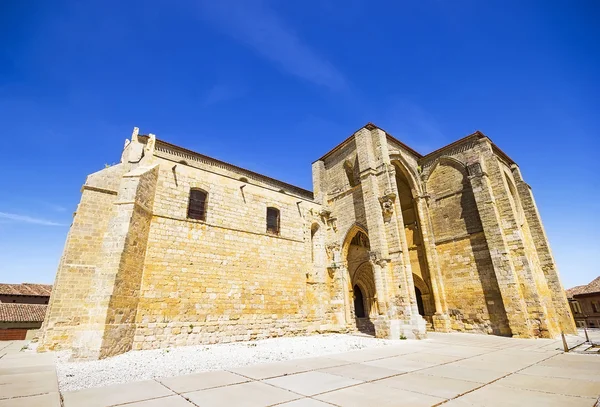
(10, 312)
(30, 289)
(591, 288)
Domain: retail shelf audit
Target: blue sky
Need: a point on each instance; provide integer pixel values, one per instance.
(273, 85)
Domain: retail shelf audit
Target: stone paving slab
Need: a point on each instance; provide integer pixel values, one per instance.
(43, 400)
(400, 364)
(360, 371)
(306, 402)
(201, 381)
(252, 394)
(377, 395)
(268, 370)
(567, 387)
(433, 386)
(562, 372)
(311, 383)
(27, 384)
(116, 394)
(433, 358)
(495, 395)
(462, 373)
(169, 401)
(559, 361)
(27, 379)
(319, 363)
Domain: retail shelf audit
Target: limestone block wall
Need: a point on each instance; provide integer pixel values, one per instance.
(471, 289)
(67, 311)
(225, 278)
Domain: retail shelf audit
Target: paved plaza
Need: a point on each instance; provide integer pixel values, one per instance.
(454, 370)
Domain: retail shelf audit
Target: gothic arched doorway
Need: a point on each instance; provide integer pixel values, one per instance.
(414, 241)
(362, 307)
(359, 304)
(420, 302)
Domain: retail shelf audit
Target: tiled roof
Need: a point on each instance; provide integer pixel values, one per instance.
(591, 288)
(37, 290)
(12, 312)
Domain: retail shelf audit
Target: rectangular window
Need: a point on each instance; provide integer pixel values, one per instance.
(594, 306)
(197, 205)
(273, 220)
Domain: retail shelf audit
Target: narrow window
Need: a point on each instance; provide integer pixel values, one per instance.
(197, 204)
(594, 307)
(273, 220)
(349, 168)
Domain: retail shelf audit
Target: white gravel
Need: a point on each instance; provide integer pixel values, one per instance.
(150, 364)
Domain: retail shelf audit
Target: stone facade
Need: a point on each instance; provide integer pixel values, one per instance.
(390, 242)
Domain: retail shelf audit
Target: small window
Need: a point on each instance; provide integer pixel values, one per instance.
(594, 307)
(273, 220)
(197, 205)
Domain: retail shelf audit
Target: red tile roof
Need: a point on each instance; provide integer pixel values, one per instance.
(591, 288)
(10, 312)
(36, 290)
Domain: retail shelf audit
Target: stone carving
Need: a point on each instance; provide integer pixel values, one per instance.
(376, 258)
(332, 223)
(387, 205)
(475, 170)
(331, 250)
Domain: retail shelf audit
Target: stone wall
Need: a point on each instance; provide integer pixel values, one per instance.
(473, 298)
(226, 278)
(68, 307)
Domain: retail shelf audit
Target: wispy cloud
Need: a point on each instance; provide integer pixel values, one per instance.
(28, 219)
(258, 26)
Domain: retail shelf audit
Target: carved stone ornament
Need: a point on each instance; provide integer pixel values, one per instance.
(387, 205)
(332, 223)
(331, 250)
(375, 258)
(475, 169)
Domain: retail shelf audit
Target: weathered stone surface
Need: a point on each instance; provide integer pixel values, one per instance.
(391, 243)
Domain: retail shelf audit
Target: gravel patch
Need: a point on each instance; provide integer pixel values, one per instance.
(149, 364)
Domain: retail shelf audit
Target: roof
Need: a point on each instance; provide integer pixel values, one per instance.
(304, 193)
(10, 312)
(35, 290)
(370, 126)
(591, 288)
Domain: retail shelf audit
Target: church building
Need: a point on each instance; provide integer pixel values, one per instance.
(171, 247)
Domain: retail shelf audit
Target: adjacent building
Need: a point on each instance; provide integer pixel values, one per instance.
(22, 309)
(171, 247)
(585, 304)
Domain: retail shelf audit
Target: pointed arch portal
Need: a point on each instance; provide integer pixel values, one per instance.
(361, 305)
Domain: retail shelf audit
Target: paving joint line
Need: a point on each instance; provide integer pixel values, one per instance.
(387, 377)
(494, 381)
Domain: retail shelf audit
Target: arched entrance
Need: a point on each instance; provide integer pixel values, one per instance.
(361, 282)
(420, 301)
(414, 240)
(359, 303)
